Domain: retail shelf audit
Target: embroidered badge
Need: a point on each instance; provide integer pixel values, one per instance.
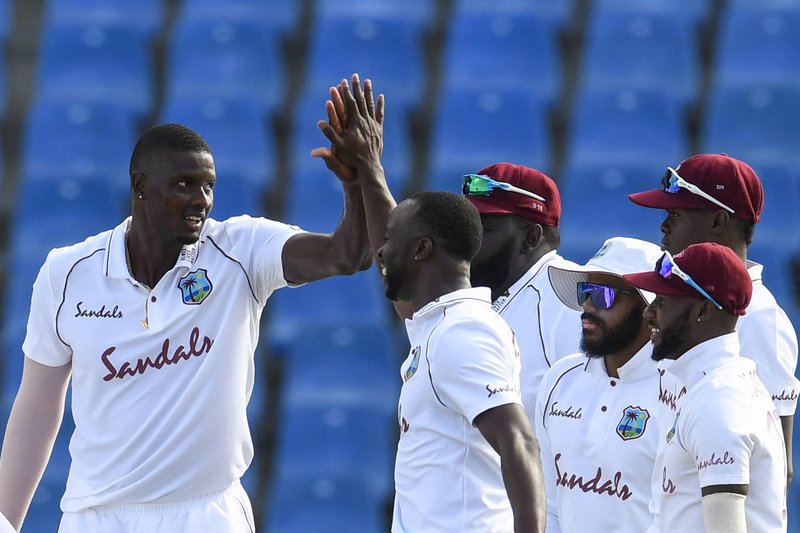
(671, 432)
(195, 287)
(412, 368)
(602, 251)
(633, 422)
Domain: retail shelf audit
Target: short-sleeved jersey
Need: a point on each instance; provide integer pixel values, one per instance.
(161, 377)
(546, 329)
(598, 436)
(463, 361)
(768, 338)
(726, 431)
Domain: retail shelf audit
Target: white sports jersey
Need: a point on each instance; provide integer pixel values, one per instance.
(463, 361)
(546, 330)
(161, 378)
(725, 432)
(598, 435)
(768, 338)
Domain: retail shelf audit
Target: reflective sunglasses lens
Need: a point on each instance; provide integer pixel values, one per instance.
(666, 267)
(602, 296)
(476, 186)
(669, 183)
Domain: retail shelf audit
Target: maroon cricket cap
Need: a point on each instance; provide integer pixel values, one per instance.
(714, 267)
(729, 180)
(502, 202)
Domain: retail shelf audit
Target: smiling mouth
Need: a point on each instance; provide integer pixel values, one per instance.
(194, 220)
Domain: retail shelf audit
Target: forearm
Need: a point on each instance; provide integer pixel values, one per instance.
(30, 434)
(522, 475)
(378, 201)
(350, 241)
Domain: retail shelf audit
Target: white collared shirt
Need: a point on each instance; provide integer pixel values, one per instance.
(726, 431)
(598, 435)
(161, 377)
(768, 338)
(463, 361)
(546, 329)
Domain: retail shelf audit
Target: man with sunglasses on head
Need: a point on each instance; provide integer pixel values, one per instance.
(721, 465)
(717, 198)
(596, 410)
(520, 208)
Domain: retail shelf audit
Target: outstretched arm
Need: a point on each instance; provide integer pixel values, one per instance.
(509, 432)
(31, 431)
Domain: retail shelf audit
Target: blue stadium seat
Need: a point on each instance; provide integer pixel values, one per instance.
(756, 123)
(653, 51)
(314, 200)
(692, 12)
(514, 51)
(595, 206)
(758, 44)
(475, 128)
(388, 51)
(238, 132)
(93, 63)
(555, 12)
(780, 219)
(306, 136)
(626, 126)
(273, 15)
(78, 139)
(211, 58)
(418, 11)
(145, 16)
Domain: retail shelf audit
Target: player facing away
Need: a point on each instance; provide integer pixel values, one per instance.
(596, 409)
(717, 198)
(467, 459)
(721, 466)
(159, 389)
(520, 211)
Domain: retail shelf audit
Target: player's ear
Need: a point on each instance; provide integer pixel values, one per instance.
(138, 182)
(423, 248)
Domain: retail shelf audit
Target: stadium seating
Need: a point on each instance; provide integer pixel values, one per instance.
(145, 16)
(756, 123)
(92, 63)
(555, 12)
(475, 128)
(280, 16)
(420, 12)
(689, 12)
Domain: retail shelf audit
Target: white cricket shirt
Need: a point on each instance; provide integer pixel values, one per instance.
(598, 435)
(768, 338)
(463, 361)
(726, 431)
(159, 410)
(546, 329)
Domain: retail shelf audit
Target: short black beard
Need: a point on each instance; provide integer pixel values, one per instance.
(673, 338)
(614, 339)
(493, 271)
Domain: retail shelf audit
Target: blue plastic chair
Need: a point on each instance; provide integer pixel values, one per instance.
(210, 58)
(475, 128)
(421, 12)
(514, 51)
(691, 12)
(651, 51)
(626, 127)
(273, 15)
(93, 63)
(144, 16)
(758, 44)
(756, 123)
(555, 13)
(388, 51)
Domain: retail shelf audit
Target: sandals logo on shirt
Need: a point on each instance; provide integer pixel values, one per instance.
(195, 287)
(412, 368)
(633, 422)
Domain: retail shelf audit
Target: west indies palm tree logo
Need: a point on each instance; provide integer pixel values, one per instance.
(412, 368)
(195, 286)
(633, 422)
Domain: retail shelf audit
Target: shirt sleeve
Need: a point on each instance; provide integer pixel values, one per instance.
(768, 338)
(42, 343)
(475, 368)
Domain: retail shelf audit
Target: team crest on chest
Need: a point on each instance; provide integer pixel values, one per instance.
(195, 287)
(412, 368)
(633, 422)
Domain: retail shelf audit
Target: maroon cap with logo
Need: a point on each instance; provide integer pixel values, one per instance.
(502, 202)
(714, 267)
(732, 182)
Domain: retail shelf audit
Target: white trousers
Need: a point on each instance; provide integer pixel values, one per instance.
(224, 511)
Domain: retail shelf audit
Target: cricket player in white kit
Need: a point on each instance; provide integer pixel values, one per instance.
(156, 322)
(596, 410)
(520, 211)
(717, 198)
(721, 466)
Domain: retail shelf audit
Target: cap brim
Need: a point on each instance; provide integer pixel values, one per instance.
(565, 284)
(653, 282)
(658, 199)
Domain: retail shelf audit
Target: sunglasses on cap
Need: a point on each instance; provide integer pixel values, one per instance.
(666, 268)
(672, 182)
(602, 296)
(480, 185)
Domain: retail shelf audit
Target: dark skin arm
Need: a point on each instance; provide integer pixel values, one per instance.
(509, 432)
(787, 423)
